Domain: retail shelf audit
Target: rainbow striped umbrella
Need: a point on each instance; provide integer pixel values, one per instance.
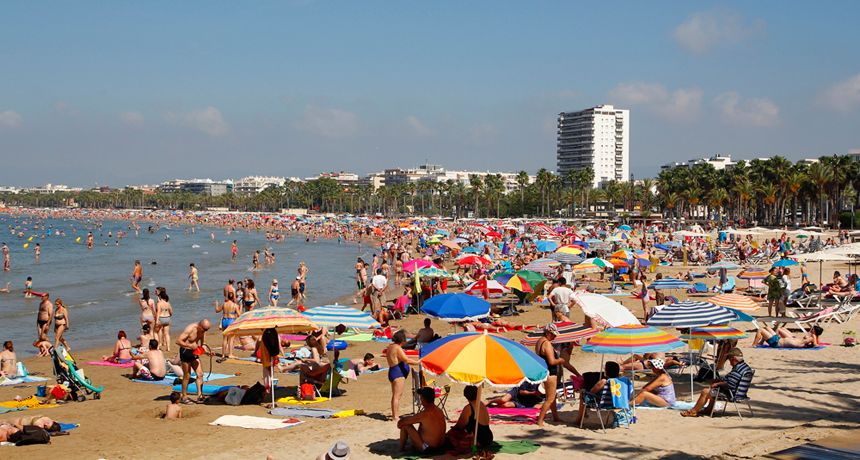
(567, 332)
(715, 332)
(586, 268)
(258, 320)
(519, 283)
(570, 250)
(631, 338)
(546, 261)
(599, 262)
(475, 358)
(754, 273)
(335, 315)
(735, 302)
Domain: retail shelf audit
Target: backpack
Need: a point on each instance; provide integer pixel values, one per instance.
(254, 395)
(33, 435)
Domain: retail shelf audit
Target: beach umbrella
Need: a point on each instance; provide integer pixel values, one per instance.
(570, 250)
(519, 283)
(493, 234)
(785, 263)
(691, 314)
(546, 261)
(821, 257)
(450, 245)
(473, 260)
(540, 268)
(471, 249)
(459, 240)
(631, 339)
(492, 286)
(433, 272)
(413, 264)
(546, 246)
(619, 263)
(283, 320)
(565, 258)
(604, 310)
(567, 332)
(613, 239)
(670, 283)
(714, 332)
(625, 227)
(474, 358)
(735, 302)
(442, 232)
(335, 315)
(503, 277)
(724, 265)
(753, 273)
(663, 247)
(454, 308)
(586, 268)
(599, 262)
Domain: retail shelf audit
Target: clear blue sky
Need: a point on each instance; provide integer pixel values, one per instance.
(141, 92)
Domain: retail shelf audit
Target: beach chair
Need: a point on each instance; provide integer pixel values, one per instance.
(442, 394)
(821, 318)
(603, 402)
(738, 396)
(756, 287)
(728, 287)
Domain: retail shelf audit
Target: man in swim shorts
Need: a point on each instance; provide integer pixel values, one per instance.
(192, 338)
(46, 312)
(136, 276)
(194, 278)
(429, 437)
(154, 369)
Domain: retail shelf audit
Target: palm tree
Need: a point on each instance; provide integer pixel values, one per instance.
(477, 187)
(820, 174)
(522, 181)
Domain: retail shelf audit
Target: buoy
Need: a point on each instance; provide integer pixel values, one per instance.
(25, 245)
(30, 239)
(79, 239)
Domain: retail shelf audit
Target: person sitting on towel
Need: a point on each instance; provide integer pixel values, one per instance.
(731, 381)
(659, 391)
(474, 413)
(152, 369)
(429, 437)
(782, 338)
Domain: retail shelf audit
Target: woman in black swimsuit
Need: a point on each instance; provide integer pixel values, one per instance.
(545, 350)
(466, 422)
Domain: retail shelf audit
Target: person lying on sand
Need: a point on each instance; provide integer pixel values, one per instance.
(39, 421)
(782, 338)
(526, 395)
(640, 362)
(365, 364)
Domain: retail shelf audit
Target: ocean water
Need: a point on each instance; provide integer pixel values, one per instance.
(96, 287)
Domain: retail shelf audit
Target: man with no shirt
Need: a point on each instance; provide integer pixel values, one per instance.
(46, 312)
(429, 437)
(230, 288)
(193, 276)
(136, 276)
(192, 337)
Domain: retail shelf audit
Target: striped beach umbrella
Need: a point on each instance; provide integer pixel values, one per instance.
(433, 272)
(567, 332)
(539, 268)
(586, 268)
(283, 320)
(570, 250)
(670, 283)
(335, 315)
(546, 261)
(723, 264)
(754, 273)
(412, 265)
(519, 283)
(735, 301)
(492, 286)
(565, 258)
(632, 338)
(691, 314)
(715, 332)
(475, 358)
(599, 262)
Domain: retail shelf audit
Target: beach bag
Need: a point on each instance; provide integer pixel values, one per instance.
(33, 435)
(620, 419)
(254, 395)
(306, 392)
(234, 396)
(460, 440)
(705, 373)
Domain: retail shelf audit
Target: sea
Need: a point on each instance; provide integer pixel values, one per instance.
(95, 284)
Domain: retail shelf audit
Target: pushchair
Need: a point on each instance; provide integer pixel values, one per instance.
(72, 377)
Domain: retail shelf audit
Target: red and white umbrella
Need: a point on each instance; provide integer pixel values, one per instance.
(491, 286)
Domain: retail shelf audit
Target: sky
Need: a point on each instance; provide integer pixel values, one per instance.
(130, 93)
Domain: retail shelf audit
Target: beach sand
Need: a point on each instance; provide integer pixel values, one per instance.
(798, 397)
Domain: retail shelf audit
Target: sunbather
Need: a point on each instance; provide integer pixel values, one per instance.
(659, 391)
(365, 364)
(639, 362)
(121, 351)
(429, 437)
(783, 338)
(6, 430)
(39, 421)
(526, 395)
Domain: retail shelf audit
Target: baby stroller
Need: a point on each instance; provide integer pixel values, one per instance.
(72, 377)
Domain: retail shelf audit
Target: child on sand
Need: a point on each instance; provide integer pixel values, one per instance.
(174, 410)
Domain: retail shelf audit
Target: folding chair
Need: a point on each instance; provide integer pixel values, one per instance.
(603, 402)
(756, 287)
(738, 396)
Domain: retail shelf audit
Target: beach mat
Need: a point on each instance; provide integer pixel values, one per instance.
(169, 378)
(303, 412)
(679, 405)
(255, 423)
(29, 403)
(381, 369)
(108, 363)
(496, 447)
(6, 381)
(767, 347)
(207, 389)
(293, 400)
(367, 337)
(68, 426)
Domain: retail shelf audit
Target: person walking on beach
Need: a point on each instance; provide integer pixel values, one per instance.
(61, 324)
(193, 337)
(274, 293)
(163, 311)
(46, 313)
(294, 291)
(136, 276)
(360, 278)
(194, 278)
(233, 248)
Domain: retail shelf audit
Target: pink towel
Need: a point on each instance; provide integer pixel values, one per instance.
(512, 411)
(106, 363)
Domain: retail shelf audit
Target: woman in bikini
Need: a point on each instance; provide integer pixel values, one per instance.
(61, 323)
(163, 311)
(147, 307)
(8, 360)
(398, 370)
(250, 298)
(545, 350)
(121, 351)
(230, 313)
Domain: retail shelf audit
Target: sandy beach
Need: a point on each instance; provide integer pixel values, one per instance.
(798, 396)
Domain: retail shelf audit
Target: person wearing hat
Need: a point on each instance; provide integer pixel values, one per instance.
(731, 381)
(274, 293)
(339, 451)
(429, 437)
(545, 350)
(659, 391)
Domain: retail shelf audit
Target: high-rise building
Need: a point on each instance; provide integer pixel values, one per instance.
(598, 138)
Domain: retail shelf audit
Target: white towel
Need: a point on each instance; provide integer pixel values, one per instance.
(257, 423)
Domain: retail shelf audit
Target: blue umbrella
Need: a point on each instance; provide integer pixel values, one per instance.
(442, 232)
(663, 247)
(741, 315)
(625, 227)
(673, 243)
(471, 249)
(670, 283)
(459, 240)
(691, 314)
(581, 244)
(456, 307)
(785, 263)
(482, 244)
(546, 246)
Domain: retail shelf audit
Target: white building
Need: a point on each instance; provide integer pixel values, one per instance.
(253, 185)
(598, 138)
(719, 161)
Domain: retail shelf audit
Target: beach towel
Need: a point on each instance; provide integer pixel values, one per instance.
(207, 389)
(496, 447)
(303, 412)
(293, 400)
(679, 405)
(255, 423)
(6, 381)
(29, 403)
(768, 347)
(367, 337)
(108, 363)
(169, 379)
(368, 371)
(68, 426)
(348, 413)
(620, 389)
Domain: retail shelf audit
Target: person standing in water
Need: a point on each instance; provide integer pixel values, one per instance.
(5, 257)
(233, 248)
(136, 276)
(38, 251)
(193, 276)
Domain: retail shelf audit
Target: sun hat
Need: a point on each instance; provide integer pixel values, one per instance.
(656, 363)
(551, 327)
(274, 281)
(339, 451)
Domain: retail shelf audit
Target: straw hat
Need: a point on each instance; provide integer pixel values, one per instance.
(339, 451)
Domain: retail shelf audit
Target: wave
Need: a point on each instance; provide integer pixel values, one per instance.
(205, 252)
(194, 246)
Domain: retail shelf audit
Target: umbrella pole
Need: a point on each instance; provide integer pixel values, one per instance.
(692, 390)
(475, 437)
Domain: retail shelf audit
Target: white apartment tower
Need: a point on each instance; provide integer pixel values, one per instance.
(598, 138)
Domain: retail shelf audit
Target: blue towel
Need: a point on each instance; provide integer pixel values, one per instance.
(68, 426)
(169, 378)
(620, 389)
